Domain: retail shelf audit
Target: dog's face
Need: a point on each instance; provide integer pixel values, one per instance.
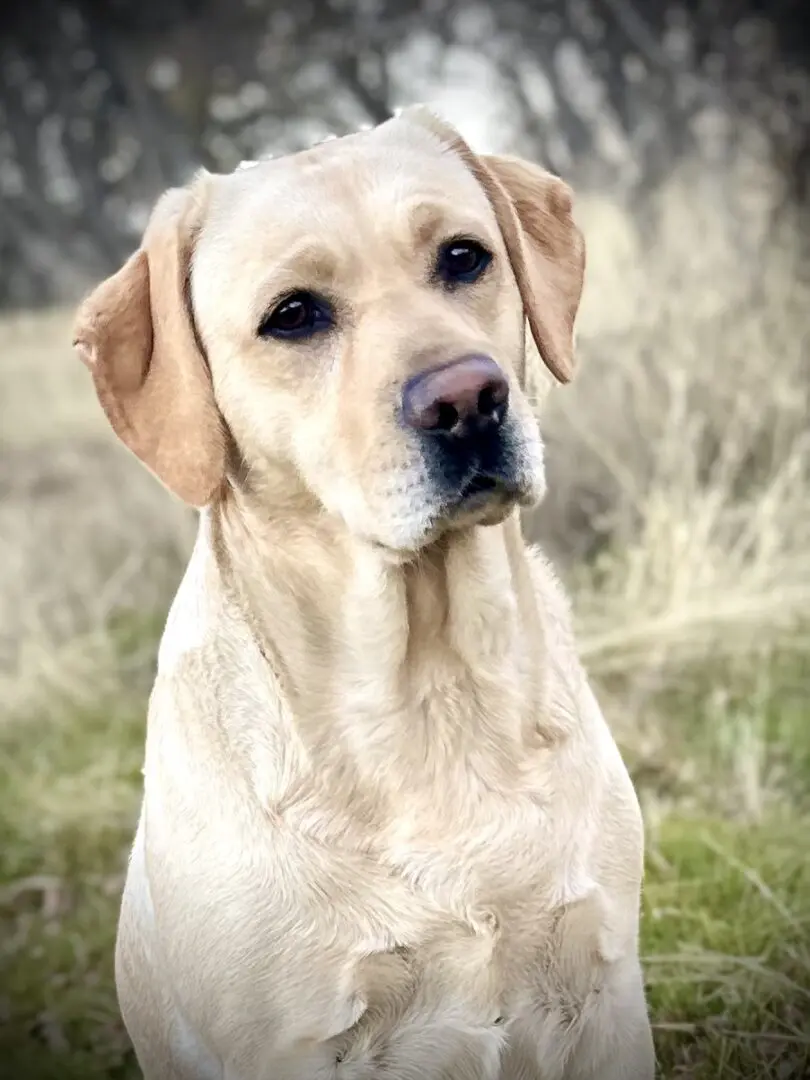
(350, 320)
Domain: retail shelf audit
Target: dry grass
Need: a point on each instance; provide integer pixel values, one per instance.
(680, 486)
(84, 532)
(680, 460)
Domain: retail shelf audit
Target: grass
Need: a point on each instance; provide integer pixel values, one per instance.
(726, 946)
(679, 487)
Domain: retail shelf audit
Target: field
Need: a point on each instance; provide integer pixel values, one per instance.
(678, 513)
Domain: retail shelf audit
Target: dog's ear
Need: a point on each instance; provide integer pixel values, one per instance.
(545, 246)
(136, 335)
(546, 249)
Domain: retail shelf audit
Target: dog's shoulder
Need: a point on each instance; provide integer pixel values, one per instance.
(571, 695)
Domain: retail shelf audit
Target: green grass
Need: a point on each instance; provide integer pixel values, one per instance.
(726, 944)
(726, 926)
(72, 779)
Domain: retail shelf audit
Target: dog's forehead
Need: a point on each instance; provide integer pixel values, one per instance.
(342, 183)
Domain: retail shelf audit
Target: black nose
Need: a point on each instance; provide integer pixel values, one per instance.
(460, 399)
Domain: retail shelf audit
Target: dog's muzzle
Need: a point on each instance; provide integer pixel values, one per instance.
(460, 411)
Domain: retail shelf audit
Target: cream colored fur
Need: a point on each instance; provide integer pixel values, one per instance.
(386, 831)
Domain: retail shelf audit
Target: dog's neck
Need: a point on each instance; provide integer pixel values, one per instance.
(357, 638)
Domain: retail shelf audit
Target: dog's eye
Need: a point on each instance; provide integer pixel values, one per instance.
(462, 261)
(297, 316)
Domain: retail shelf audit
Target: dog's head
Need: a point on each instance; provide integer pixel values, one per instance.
(345, 328)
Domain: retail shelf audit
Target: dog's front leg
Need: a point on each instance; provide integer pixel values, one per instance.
(615, 1040)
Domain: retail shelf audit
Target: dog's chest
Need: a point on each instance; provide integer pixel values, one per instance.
(466, 867)
(482, 955)
(492, 877)
(479, 950)
(471, 811)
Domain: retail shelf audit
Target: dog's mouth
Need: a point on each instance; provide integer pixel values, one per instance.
(481, 486)
(482, 498)
(483, 493)
(478, 484)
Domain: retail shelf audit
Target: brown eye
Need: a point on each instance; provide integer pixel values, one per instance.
(462, 261)
(299, 315)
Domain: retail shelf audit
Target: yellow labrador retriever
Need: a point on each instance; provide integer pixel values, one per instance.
(386, 831)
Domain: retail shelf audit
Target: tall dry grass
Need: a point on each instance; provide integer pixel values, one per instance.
(680, 463)
(688, 428)
(84, 532)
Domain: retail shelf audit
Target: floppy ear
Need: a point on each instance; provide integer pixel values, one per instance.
(135, 334)
(545, 247)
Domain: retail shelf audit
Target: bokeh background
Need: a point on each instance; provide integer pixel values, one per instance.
(679, 460)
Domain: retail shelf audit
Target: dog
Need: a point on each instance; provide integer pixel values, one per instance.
(385, 831)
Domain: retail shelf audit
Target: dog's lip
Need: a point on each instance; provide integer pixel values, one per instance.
(481, 488)
(479, 483)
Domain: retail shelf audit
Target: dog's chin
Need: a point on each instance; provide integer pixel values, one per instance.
(484, 504)
(425, 513)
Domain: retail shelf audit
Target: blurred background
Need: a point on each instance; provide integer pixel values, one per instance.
(679, 509)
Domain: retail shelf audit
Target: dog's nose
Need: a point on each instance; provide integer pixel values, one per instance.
(461, 398)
